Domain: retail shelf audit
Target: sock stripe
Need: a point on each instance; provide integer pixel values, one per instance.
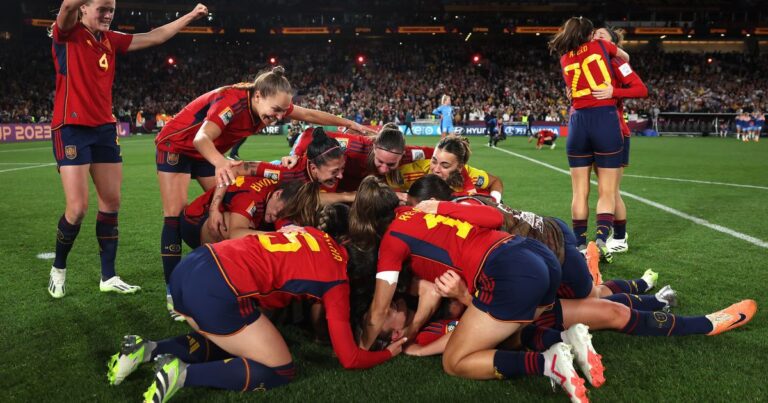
(674, 322)
(247, 374)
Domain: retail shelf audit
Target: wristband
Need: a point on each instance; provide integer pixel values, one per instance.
(496, 195)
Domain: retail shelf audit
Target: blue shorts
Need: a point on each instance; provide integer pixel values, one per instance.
(81, 145)
(594, 136)
(446, 128)
(191, 227)
(180, 163)
(625, 153)
(200, 292)
(519, 276)
(576, 281)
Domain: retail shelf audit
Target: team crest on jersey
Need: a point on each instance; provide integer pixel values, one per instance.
(70, 152)
(172, 159)
(417, 155)
(226, 115)
(343, 143)
(272, 174)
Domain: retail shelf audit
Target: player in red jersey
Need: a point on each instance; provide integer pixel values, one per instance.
(512, 280)
(367, 155)
(192, 143)
(84, 132)
(219, 287)
(594, 132)
(544, 137)
(629, 85)
(449, 162)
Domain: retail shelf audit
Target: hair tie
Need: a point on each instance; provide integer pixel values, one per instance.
(326, 152)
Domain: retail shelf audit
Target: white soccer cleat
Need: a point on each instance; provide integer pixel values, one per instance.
(667, 296)
(116, 284)
(618, 245)
(56, 282)
(588, 360)
(558, 366)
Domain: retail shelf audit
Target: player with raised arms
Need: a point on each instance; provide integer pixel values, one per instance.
(594, 132)
(83, 127)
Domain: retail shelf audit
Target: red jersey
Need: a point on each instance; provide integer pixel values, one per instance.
(435, 330)
(436, 243)
(310, 265)
(247, 196)
(628, 85)
(282, 174)
(357, 149)
(585, 70)
(85, 72)
(545, 135)
(228, 108)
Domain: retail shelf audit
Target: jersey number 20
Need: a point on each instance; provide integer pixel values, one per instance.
(584, 66)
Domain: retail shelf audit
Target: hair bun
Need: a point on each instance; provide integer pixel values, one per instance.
(278, 71)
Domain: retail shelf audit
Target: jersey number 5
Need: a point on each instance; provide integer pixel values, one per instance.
(584, 66)
(293, 244)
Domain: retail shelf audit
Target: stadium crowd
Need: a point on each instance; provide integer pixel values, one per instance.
(394, 81)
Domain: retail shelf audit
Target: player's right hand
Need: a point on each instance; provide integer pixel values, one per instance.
(289, 161)
(396, 347)
(199, 11)
(216, 224)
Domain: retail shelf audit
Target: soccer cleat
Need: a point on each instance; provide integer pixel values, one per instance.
(668, 296)
(650, 277)
(56, 282)
(618, 245)
(558, 366)
(605, 254)
(174, 315)
(115, 284)
(169, 378)
(552, 147)
(592, 254)
(132, 353)
(588, 360)
(732, 317)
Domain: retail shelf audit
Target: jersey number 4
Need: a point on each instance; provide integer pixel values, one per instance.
(584, 66)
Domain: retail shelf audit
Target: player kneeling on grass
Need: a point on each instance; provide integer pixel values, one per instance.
(517, 279)
(544, 137)
(233, 346)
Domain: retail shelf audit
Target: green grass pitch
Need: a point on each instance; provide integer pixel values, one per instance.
(54, 350)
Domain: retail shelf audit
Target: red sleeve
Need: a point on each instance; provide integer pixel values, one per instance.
(60, 36)
(242, 203)
(415, 153)
(392, 253)
(336, 303)
(631, 84)
(431, 332)
(270, 171)
(483, 216)
(120, 41)
(303, 143)
(221, 111)
(609, 47)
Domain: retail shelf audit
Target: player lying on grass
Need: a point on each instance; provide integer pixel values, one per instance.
(219, 288)
(512, 281)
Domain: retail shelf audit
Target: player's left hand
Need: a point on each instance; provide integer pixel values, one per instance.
(605, 93)
(396, 347)
(199, 12)
(289, 161)
(358, 128)
(450, 285)
(428, 206)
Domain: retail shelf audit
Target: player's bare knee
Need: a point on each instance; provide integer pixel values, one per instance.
(76, 212)
(449, 365)
(618, 315)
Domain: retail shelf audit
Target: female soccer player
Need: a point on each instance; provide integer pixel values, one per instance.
(84, 133)
(445, 113)
(594, 132)
(449, 162)
(367, 155)
(629, 85)
(192, 143)
(219, 288)
(512, 281)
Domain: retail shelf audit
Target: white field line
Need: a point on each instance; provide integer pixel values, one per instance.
(700, 221)
(697, 181)
(30, 167)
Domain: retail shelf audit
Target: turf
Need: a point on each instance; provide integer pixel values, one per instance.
(57, 349)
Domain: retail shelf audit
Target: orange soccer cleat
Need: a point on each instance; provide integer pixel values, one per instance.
(732, 317)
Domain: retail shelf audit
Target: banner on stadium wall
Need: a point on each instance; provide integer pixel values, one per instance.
(521, 129)
(23, 132)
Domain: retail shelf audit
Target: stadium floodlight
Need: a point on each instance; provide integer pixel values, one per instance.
(476, 58)
(273, 60)
(360, 59)
(171, 61)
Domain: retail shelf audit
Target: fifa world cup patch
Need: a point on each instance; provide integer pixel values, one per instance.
(272, 174)
(417, 155)
(480, 181)
(343, 144)
(625, 69)
(226, 115)
(172, 159)
(70, 152)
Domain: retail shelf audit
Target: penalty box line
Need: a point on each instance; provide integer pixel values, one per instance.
(670, 210)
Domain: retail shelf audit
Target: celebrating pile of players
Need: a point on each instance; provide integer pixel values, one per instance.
(392, 248)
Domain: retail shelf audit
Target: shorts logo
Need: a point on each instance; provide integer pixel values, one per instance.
(172, 159)
(226, 115)
(70, 152)
(271, 174)
(417, 155)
